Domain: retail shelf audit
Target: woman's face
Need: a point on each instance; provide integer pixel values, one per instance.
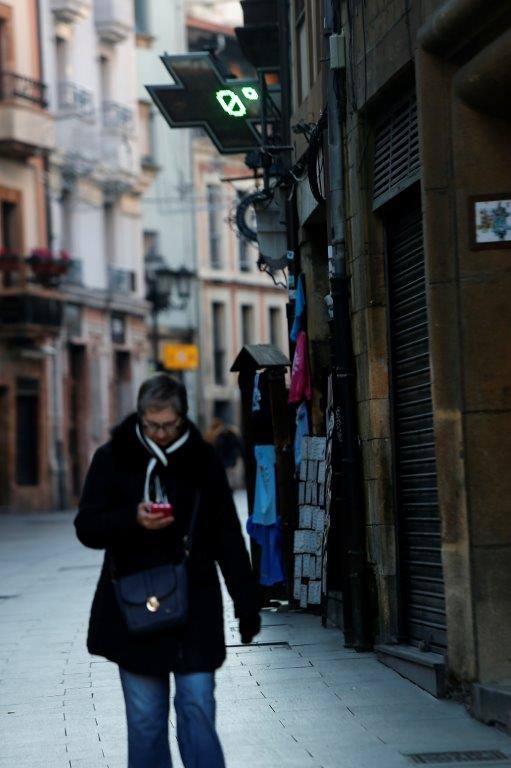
(162, 425)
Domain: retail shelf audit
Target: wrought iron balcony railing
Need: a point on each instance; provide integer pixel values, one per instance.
(14, 86)
(117, 117)
(122, 280)
(30, 310)
(73, 98)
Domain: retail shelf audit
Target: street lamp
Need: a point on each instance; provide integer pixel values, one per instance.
(160, 280)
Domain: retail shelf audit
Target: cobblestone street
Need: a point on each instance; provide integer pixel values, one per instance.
(295, 699)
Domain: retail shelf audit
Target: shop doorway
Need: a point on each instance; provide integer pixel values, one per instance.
(422, 603)
(77, 416)
(123, 386)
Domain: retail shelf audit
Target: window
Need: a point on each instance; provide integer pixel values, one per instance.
(118, 328)
(275, 325)
(6, 39)
(316, 37)
(218, 312)
(142, 25)
(105, 78)
(9, 224)
(247, 324)
(146, 132)
(61, 59)
(302, 50)
(151, 240)
(214, 223)
(27, 431)
(243, 255)
(10, 231)
(66, 208)
(109, 232)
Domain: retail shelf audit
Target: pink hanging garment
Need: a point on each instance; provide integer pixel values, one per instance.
(300, 388)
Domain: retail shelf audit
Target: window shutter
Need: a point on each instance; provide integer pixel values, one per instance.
(396, 152)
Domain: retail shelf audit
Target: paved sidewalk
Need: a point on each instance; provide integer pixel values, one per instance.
(297, 699)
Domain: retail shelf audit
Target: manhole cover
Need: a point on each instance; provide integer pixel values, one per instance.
(470, 756)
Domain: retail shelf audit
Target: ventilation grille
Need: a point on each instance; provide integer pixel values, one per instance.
(472, 756)
(396, 152)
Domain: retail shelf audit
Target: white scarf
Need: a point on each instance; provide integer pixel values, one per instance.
(159, 455)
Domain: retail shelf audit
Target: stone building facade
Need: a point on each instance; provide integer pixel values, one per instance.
(422, 96)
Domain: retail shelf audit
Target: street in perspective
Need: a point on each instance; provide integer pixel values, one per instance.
(296, 697)
(255, 383)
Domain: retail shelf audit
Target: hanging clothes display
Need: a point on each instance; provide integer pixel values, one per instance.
(263, 525)
(265, 498)
(256, 394)
(260, 410)
(299, 308)
(301, 430)
(269, 538)
(300, 388)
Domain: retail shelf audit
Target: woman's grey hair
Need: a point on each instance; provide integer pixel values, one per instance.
(162, 391)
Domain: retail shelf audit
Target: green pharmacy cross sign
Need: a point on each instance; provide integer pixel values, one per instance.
(228, 109)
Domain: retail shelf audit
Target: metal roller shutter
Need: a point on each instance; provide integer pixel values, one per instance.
(421, 577)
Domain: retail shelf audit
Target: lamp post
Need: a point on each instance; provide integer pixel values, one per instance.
(160, 280)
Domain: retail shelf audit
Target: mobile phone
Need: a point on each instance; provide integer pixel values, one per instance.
(163, 509)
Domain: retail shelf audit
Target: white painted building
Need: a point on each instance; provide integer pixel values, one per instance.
(168, 203)
(94, 182)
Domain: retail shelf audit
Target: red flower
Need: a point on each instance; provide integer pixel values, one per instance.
(44, 254)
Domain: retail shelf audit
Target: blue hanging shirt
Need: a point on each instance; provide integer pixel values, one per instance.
(269, 538)
(302, 429)
(299, 308)
(265, 497)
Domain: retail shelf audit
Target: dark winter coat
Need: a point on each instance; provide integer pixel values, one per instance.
(107, 520)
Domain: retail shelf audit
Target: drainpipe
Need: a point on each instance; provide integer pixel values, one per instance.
(352, 514)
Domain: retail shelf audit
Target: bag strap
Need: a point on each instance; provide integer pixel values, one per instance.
(187, 539)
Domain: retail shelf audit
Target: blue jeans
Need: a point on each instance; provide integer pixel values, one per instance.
(147, 702)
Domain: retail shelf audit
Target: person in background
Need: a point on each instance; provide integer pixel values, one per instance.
(227, 443)
(158, 455)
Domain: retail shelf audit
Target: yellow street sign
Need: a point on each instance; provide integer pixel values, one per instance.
(181, 357)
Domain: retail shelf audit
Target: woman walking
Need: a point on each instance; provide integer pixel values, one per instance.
(156, 499)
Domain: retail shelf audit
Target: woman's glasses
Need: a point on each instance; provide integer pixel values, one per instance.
(167, 428)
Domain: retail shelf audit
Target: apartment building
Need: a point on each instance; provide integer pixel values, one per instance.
(167, 203)
(74, 314)
(26, 138)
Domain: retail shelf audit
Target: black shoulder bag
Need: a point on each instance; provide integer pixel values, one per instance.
(156, 598)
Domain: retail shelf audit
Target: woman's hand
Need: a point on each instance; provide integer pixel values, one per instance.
(249, 627)
(153, 522)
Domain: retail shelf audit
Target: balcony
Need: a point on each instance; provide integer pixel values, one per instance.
(122, 280)
(119, 158)
(114, 19)
(117, 118)
(70, 11)
(74, 100)
(77, 140)
(25, 309)
(25, 127)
